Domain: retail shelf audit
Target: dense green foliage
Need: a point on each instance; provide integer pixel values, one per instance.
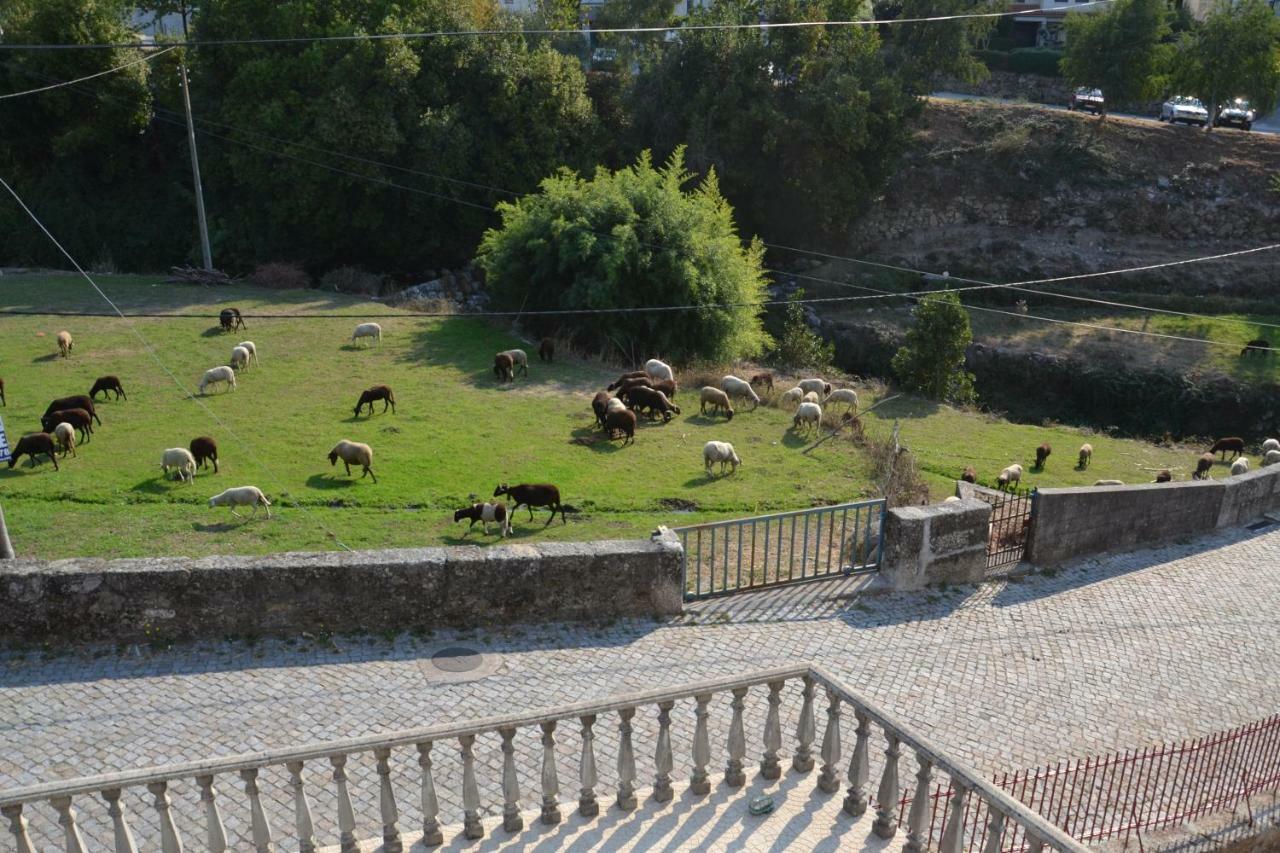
(932, 358)
(1234, 53)
(798, 347)
(919, 51)
(1119, 50)
(630, 239)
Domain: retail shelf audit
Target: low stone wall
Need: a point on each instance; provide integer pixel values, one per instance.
(137, 600)
(945, 542)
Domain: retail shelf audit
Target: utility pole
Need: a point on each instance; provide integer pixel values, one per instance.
(195, 170)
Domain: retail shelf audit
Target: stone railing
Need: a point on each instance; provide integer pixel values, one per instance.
(1006, 816)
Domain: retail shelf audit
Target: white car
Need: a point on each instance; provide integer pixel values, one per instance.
(1237, 113)
(1182, 108)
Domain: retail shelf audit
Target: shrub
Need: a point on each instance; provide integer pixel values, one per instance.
(1001, 43)
(798, 347)
(280, 276)
(1035, 60)
(352, 280)
(932, 360)
(996, 60)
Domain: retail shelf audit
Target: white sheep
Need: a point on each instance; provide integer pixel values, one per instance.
(239, 358)
(1085, 457)
(1108, 482)
(614, 405)
(1240, 466)
(793, 396)
(951, 499)
(367, 330)
(218, 374)
(353, 452)
(253, 350)
(519, 360)
(818, 386)
(843, 395)
(658, 370)
(1010, 475)
(809, 414)
(180, 459)
(735, 387)
(65, 344)
(722, 452)
(718, 399)
(1272, 457)
(811, 397)
(1269, 445)
(66, 435)
(242, 496)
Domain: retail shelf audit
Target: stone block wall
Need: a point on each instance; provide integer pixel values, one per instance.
(935, 544)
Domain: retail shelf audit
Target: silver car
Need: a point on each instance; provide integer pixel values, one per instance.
(1185, 109)
(1237, 113)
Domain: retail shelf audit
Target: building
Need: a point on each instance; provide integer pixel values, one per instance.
(1043, 23)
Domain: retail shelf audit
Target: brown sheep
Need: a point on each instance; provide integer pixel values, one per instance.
(600, 405)
(377, 392)
(205, 449)
(623, 422)
(105, 384)
(1222, 445)
(1164, 476)
(617, 383)
(75, 401)
(1042, 454)
(531, 495)
(32, 444)
(78, 418)
(547, 350)
(504, 368)
(653, 402)
(1203, 466)
(230, 319)
(765, 379)
(970, 475)
(666, 386)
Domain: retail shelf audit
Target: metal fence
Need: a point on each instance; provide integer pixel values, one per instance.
(1011, 519)
(767, 550)
(1134, 791)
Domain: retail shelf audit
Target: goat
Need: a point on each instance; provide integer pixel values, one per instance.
(105, 384)
(485, 513)
(530, 495)
(370, 396)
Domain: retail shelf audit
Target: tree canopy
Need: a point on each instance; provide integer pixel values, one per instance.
(1119, 50)
(1234, 53)
(931, 360)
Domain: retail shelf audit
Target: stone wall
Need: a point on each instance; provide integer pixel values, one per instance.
(137, 600)
(944, 543)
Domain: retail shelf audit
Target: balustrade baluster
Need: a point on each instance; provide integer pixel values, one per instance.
(587, 775)
(995, 830)
(170, 840)
(18, 828)
(855, 802)
(511, 818)
(917, 830)
(72, 839)
(215, 832)
(829, 780)
(700, 783)
(431, 834)
(769, 767)
(550, 776)
(953, 835)
(303, 823)
(1034, 845)
(805, 729)
(391, 841)
(346, 813)
(257, 817)
(662, 758)
(471, 826)
(120, 827)
(733, 775)
(886, 823)
(626, 761)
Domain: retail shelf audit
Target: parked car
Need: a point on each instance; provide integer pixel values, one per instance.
(1185, 109)
(1237, 113)
(1085, 98)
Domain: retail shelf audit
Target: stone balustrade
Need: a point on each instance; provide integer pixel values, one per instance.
(309, 767)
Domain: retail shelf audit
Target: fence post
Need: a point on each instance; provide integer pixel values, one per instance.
(6, 546)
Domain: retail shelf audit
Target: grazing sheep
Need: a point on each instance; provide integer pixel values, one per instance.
(1203, 466)
(1240, 466)
(600, 405)
(215, 375)
(809, 414)
(623, 422)
(105, 384)
(765, 379)
(1042, 455)
(1010, 476)
(811, 397)
(1108, 482)
(239, 358)
(3, 402)
(842, 395)
(653, 402)
(77, 418)
(1267, 446)
(1257, 346)
(31, 444)
(503, 368)
(666, 386)
(1165, 476)
(635, 374)
(623, 385)
(531, 495)
(718, 400)
(242, 496)
(65, 433)
(1222, 445)
(179, 458)
(519, 361)
(547, 350)
(75, 401)
(658, 370)
(367, 330)
(817, 386)
(1086, 456)
(204, 449)
(793, 396)
(1272, 457)
(722, 452)
(65, 343)
(970, 475)
(253, 350)
(735, 387)
(372, 395)
(353, 452)
(230, 319)
(485, 513)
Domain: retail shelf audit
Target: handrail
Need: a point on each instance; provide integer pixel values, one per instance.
(869, 502)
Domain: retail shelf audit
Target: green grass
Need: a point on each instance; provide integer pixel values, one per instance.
(456, 435)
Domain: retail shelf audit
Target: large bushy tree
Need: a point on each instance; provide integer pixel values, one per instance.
(1234, 53)
(931, 360)
(919, 51)
(1119, 50)
(632, 238)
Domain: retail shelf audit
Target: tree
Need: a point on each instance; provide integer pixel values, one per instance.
(1118, 50)
(798, 347)
(1234, 53)
(631, 238)
(921, 51)
(932, 359)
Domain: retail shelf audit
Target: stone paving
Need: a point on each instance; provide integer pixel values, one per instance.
(1117, 652)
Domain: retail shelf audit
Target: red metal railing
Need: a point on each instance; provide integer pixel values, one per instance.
(1125, 792)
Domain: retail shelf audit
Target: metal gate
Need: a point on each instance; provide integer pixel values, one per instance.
(768, 550)
(1010, 526)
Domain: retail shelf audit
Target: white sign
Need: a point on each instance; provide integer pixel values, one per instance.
(4, 444)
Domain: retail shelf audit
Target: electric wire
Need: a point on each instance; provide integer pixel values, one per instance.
(62, 83)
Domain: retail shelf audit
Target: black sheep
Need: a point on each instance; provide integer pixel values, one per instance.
(546, 350)
(1257, 346)
(75, 401)
(105, 384)
(204, 449)
(78, 418)
(1222, 445)
(230, 319)
(377, 392)
(531, 495)
(32, 444)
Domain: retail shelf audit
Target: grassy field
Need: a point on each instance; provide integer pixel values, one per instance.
(455, 436)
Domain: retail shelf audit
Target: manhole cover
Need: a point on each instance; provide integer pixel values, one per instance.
(456, 659)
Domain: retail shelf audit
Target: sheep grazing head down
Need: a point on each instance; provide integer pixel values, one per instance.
(333, 457)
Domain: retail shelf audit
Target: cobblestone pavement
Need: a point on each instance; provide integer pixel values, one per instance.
(1116, 652)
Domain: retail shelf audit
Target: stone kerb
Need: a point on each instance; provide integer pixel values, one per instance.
(935, 544)
(136, 600)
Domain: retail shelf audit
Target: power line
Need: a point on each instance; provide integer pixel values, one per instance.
(62, 83)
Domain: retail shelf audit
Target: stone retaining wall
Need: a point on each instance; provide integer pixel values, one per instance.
(943, 543)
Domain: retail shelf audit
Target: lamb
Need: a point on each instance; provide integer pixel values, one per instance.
(546, 350)
(817, 386)
(242, 496)
(623, 422)
(1267, 446)
(658, 370)
(1086, 456)
(519, 360)
(1222, 445)
(485, 513)
(32, 444)
(65, 433)
(367, 330)
(722, 452)
(1042, 455)
(765, 379)
(794, 395)
(372, 395)
(180, 459)
(652, 401)
(718, 400)
(230, 319)
(105, 384)
(811, 397)
(1203, 466)
(1272, 457)
(77, 418)
(353, 452)
(599, 405)
(253, 350)
(215, 375)
(735, 387)
(531, 495)
(809, 414)
(65, 343)
(75, 401)
(843, 395)
(1165, 476)
(239, 358)
(970, 475)
(1240, 466)
(503, 368)
(1009, 476)
(204, 449)
(1108, 482)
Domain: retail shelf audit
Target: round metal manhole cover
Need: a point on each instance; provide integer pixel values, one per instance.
(457, 659)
